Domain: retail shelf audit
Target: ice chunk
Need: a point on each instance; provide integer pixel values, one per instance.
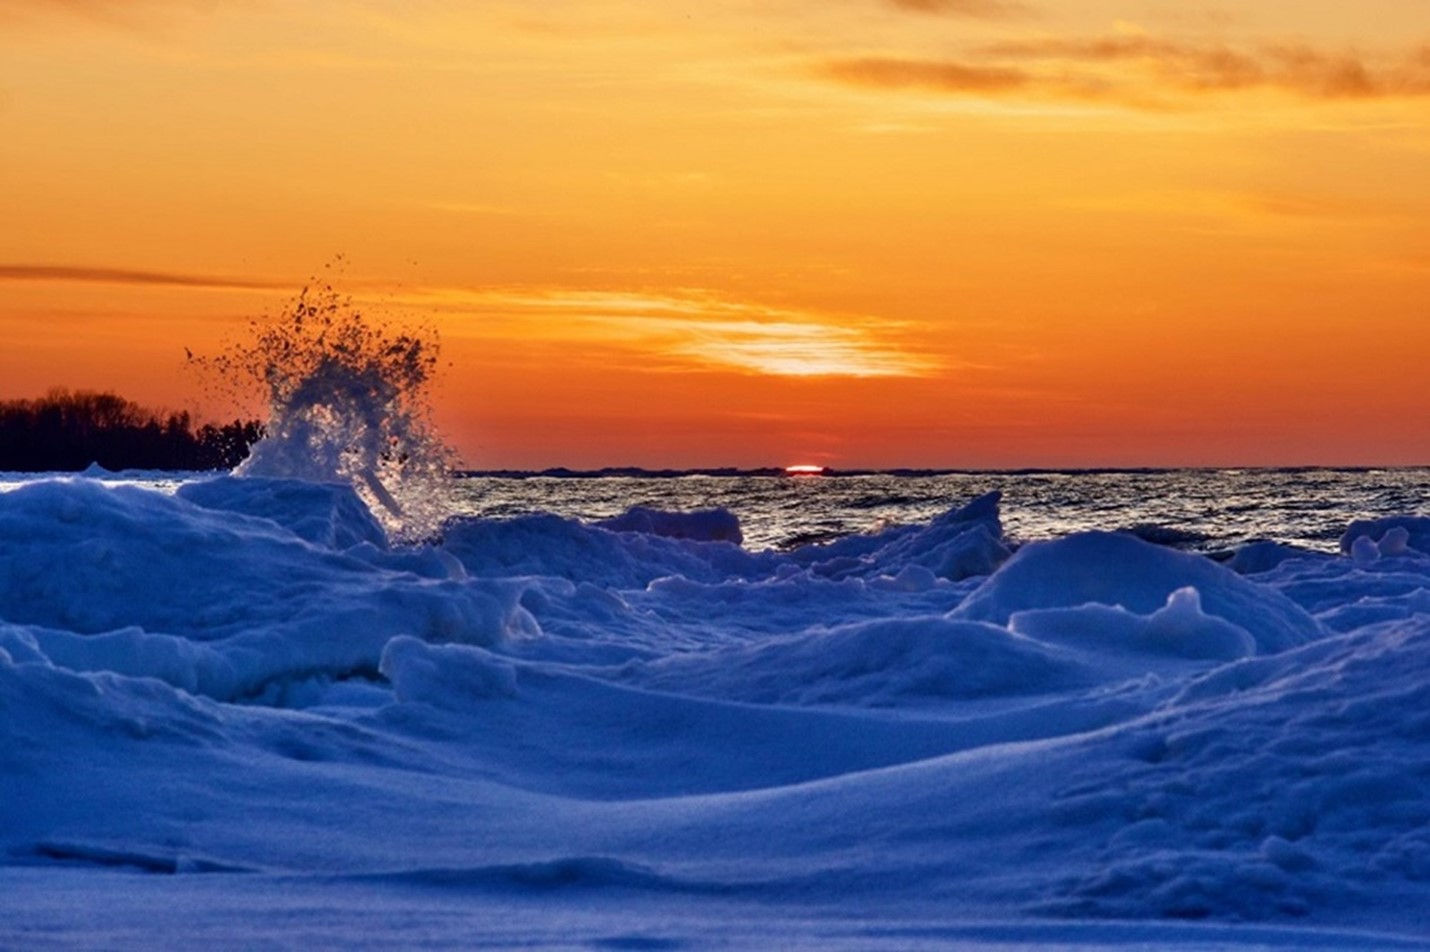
(1120, 570)
(964, 542)
(131, 579)
(547, 545)
(1364, 549)
(1263, 556)
(445, 674)
(1396, 541)
(326, 514)
(705, 525)
(1410, 533)
(876, 662)
(194, 667)
(1179, 629)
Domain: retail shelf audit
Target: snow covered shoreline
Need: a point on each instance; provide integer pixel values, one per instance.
(236, 715)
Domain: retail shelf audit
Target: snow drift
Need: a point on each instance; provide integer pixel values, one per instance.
(245, 684)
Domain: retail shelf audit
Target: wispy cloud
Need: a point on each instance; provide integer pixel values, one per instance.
(1297, 68)
(966, 8)
(948, 75)
(85, 275)
(123, 13)
(1139, 69)
(783, 348)
(698, 330)
(676, 331)
(481, 209)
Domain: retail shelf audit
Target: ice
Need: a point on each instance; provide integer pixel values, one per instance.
(962, 543)
(707, 525)
(1119, 570)
(1178, 629)
(223, 604)
(876, 662)
(1265, 555)
(326, 514)
(440, 674)
(1393, 535)
(240, 715)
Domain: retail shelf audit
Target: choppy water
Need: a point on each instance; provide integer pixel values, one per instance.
(1205, 510)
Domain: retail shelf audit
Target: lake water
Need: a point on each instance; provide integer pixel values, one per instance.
(1200, 509)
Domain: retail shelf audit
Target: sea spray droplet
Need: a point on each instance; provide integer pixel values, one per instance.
(348, 402)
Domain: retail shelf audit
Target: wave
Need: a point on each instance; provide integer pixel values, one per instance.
(348, 402)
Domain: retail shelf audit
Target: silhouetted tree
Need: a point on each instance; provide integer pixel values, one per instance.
(69, 430)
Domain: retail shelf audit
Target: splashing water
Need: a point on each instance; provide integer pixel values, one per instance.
(348, 402)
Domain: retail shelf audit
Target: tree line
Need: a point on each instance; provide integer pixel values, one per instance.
(70, 430)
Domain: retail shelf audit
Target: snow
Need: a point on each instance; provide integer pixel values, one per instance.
(1106, 568)
(326, 514)
(1393, 535)
(709, 525)
(237, 716)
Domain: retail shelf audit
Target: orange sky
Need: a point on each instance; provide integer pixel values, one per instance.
(961, 233)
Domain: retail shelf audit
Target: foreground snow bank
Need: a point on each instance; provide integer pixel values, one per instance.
(889, 729)
(221, 603)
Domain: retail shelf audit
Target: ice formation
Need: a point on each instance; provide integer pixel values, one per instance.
(236, 714)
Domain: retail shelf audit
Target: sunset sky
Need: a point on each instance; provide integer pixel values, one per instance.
(952, 233)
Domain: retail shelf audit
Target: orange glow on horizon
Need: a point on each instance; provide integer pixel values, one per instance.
(873, 234)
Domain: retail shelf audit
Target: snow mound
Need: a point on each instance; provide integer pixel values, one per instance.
(546, 545)
(1390, 536)
(1271, 788)
(875, 663)
(962, 543)
(1120, 570)
(132, 581)
(326, 514)
(705, 525)
(445, 673)
(1179, 629)
(1265, 555)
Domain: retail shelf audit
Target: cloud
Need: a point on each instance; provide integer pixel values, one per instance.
(669, 331)
(99, 9)
(1296, 68)
(967, 8)
(893, 72)
(783, 348)
(696, 330)
(83, 275)
(1138, 69)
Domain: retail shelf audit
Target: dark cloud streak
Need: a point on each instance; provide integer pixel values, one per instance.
(1127, 68)
(83, 275)
(124, 14)
(892, 72)
(1296, 68)
(983, 9)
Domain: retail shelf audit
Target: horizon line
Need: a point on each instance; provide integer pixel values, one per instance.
(565, 472)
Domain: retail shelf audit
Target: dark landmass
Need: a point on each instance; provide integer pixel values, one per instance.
(67, 431)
